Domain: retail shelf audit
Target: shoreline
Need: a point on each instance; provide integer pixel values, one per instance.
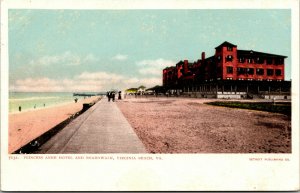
(40, 108)
(27, 126)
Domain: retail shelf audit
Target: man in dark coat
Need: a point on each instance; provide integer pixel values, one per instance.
(119, 97)
(108, 96)
(113, 96)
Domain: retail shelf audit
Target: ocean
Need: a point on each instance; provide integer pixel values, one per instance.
(36, 100)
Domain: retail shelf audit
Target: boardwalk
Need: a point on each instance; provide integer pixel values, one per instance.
(101, 129)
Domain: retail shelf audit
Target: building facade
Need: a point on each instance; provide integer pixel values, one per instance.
(229, 73)
(228, 63)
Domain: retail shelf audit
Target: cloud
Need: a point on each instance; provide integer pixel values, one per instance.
(66, 58)
(120, 57)
(150, 70)
(153, 67)
(51, 85)
(148, 82)
(100, 76)
(156, 63)
(91, 81)
(37, 84)
(84, 82)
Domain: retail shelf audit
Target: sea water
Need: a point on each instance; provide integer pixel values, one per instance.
(36, 100)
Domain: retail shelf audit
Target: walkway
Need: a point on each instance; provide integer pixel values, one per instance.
(101, 129)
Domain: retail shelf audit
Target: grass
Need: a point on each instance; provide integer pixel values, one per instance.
(279, 107)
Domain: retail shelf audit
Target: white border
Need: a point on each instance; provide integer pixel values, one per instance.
(175, 172)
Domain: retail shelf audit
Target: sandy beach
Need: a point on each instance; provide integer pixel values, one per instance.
(26, 126)
(185, 125)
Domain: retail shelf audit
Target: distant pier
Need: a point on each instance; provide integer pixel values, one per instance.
(89, 94)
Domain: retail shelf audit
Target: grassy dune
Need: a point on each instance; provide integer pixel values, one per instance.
(278, 107)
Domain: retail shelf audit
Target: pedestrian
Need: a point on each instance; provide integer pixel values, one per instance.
(20, 108)
(113, 96)
(119, 97)
(76, 99)
(108, 94)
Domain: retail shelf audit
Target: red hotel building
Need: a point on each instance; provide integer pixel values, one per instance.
(228, 63)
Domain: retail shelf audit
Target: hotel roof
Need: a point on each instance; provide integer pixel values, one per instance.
(225, 44)
(255, 53)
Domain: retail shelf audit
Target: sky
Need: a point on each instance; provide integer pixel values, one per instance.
(99, 50)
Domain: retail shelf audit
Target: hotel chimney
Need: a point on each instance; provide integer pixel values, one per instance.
(203, 56)
(185, 66)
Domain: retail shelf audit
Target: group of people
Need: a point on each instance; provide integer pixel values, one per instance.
(112, 95)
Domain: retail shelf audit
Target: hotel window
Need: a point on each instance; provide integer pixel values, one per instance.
(240, 71)
(229, 48)
(229, 58)
(219, 58)
(249, 60)
(270, 72)
(241, 60)
(250, 71)
(259, 60)
(229, 70)
(278, 61)
(219, 70)
(260, 71)
(269, 61)
(278, 72)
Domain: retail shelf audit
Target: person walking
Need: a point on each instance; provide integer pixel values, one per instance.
(108, 96)
(113, 96)
(119, 97)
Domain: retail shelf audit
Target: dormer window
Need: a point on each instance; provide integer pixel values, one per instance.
(229, 48)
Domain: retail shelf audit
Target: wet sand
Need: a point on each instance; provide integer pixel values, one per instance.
(26, 126)
(184, 125)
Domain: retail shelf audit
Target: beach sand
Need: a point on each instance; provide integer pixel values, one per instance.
(26, 126)
(186, 125)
